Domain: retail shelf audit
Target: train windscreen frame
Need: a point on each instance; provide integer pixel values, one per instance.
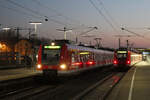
(122, 54)
(51, 55)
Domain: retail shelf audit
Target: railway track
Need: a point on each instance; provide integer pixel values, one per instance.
(14, 86)
(65, 89)
(72, 87)
(101, 89)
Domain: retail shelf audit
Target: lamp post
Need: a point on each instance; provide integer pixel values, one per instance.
(35, 25)
(65, 30)
(6, 29)
(34, 44)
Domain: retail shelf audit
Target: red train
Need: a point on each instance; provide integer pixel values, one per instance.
(124, 59)
(61, 58)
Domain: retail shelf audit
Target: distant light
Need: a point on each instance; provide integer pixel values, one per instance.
(35, 22)
(52, 43)
(39, 66)
(6, 28)
(84, 53)
(135, 55)
(141, 49)
(63, 66)
(115, 62)
(1, 45)
(36, 56)
(145, 53)
(90, 62)
(121, 51)
(77, 63)
(128, 62)
(52, 47)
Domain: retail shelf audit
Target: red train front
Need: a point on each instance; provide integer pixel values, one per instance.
(52, 58)
(125, 58)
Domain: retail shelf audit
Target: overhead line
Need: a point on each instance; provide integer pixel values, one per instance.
(35, 12)
(18, 11)
(135, 33)
(109, 15)
(21, 6)
(58, 13)
(100, 12)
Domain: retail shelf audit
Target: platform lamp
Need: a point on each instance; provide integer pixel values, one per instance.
(35, 25)
(35, 30)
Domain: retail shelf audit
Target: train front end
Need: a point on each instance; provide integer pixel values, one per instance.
(122, 59)
(49, 59)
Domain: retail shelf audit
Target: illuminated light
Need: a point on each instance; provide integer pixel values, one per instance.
(36, 56)
(128, 62)
(115, 62)
(136, 55)
(121, 51)
(1, 45)
(77, 63)
(141, 49)
(145, 53)
(6, 28)
(90, 62)
(63, 66)
(52, 43)
(84, 53)
(52, 47)
(35, 23)
(39, 66)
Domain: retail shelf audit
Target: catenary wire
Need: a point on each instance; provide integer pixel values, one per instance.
(101, 13)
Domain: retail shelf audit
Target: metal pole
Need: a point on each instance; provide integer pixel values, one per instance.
(35, 27)
(119, 42)
(127, 44)
(65, 37)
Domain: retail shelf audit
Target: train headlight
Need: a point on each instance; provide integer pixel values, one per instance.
(52, 43)
(63, 66)
(39, 66)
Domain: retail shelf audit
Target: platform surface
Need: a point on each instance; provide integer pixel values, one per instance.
(7, 74)
(135, 85)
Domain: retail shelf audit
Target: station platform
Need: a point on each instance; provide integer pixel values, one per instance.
(135, 85)
(15, 73)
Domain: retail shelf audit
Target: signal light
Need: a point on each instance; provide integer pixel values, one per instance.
(128, 62)
(115, 62)
(77, 63)
(90, 63)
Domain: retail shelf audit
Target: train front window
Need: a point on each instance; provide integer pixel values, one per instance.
(50, 56)
(121, 55)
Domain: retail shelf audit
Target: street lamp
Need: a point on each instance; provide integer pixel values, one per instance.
(34, 43)
(35, 25)
(6, 28)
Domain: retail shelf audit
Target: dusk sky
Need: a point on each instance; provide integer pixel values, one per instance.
(108, 15)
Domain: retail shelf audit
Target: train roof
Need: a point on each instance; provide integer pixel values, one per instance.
(73, 45)
(82, 48)
(64, 41)
(125, 49)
